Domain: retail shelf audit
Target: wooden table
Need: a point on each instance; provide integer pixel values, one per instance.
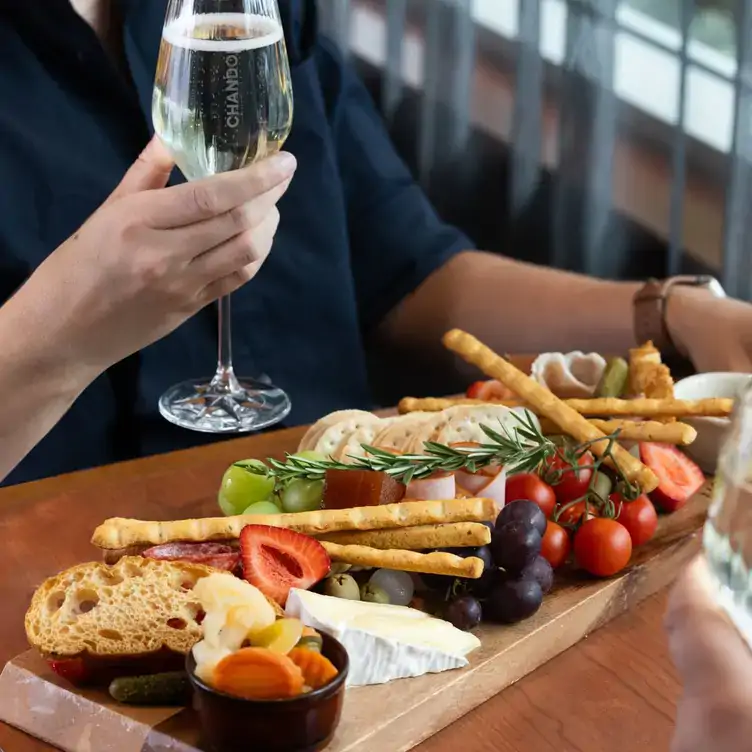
(615, 690)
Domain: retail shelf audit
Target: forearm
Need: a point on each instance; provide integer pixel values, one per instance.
(515, 307)
(38, 383)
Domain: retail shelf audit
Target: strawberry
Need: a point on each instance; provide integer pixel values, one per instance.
(70, 669)
(489, 391)
(678, 476)
(276, 559)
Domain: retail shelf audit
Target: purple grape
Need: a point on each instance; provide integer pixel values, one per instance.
(515, 545)
(464, 613)
(481, 587)
(540, 571)
(481, 552)
(513, 600)
(525, 512)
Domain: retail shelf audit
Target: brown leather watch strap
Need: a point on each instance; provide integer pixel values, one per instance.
(649, 305)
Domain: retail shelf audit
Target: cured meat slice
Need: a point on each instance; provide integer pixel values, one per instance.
(217, 555)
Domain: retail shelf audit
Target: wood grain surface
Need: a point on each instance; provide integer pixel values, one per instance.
(614, 690)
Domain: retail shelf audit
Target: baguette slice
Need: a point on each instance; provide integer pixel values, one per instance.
(138, 616)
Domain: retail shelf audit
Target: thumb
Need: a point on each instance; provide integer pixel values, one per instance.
(150, 171)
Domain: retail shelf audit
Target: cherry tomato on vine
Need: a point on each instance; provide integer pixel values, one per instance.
(638, 516)
(572, 515)
(556, 545)
(530, 486)
(569, 483)
(602, 547)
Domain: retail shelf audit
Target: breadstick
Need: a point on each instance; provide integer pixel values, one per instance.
(458, 535)
(712, 407)
(408, 561)
(118, 533)
(649, 430)
(548, 405)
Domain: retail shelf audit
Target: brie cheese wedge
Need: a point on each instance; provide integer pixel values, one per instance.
(384, 642)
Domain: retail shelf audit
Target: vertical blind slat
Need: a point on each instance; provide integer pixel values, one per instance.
(396, 11)
(527, 118)
(679, 150)
(737, 245)
(587, 133)
(334, 21)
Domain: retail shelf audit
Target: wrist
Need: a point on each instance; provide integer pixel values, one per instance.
(680, 303)
(38, 343)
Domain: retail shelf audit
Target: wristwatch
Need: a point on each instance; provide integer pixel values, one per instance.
(649, 305)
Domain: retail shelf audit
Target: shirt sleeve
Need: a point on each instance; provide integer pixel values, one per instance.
(396, 238)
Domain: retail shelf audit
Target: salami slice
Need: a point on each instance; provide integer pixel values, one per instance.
(217, 555)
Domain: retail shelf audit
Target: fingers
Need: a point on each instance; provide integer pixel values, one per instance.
(190, 203)
(705, 646)
(235, 262)
(205, 236)
(149, 172)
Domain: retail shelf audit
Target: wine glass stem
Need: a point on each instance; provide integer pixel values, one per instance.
(224, 379)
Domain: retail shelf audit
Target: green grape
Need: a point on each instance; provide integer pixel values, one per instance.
(263, 507)
(302, 495)
(243, 484)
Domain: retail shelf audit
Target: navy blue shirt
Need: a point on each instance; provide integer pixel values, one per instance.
(356, 233)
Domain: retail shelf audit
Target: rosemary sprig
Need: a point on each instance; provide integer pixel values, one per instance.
(522, 449)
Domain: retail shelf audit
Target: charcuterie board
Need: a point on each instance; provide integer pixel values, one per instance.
(449, 551)
(396, 716)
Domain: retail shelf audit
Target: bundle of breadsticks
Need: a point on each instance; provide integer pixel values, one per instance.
(391, 536)
(651, 415)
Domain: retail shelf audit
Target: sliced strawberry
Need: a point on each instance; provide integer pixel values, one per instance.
(276, 559)
(489, 391)
(71, 669)
(678, 476)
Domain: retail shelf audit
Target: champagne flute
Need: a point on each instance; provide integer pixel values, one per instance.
(222, 99)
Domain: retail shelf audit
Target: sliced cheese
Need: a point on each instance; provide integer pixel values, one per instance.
(384, 642)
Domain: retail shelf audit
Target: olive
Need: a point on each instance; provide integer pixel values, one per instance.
(342, 586)
(373, 594)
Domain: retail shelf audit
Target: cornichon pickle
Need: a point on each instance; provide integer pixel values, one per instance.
(311, 640)
(169, 688)
(614, 379)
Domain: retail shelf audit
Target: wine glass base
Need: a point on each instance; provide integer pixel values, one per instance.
(200, 406)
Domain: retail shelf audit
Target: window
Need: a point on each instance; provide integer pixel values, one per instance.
(648, 67)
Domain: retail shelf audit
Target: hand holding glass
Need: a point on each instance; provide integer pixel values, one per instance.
(222, 100)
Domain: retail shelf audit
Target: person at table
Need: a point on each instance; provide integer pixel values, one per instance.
(715, 665)
(111, 294)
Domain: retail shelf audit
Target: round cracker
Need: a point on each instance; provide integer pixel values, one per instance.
(333, 435)
(401, 428)
(465, 423)
(352, 444)
(312, 435)
(430, 430)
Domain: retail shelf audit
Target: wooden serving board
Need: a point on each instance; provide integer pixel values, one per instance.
(396, 716)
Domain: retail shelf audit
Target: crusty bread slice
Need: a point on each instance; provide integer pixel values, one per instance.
(135, 608)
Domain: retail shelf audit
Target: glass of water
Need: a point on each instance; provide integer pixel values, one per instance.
(727, 537)
(222, 100)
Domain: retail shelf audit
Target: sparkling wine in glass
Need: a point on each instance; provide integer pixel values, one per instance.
(222, 99)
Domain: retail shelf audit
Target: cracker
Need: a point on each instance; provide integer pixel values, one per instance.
(352, 444)
(464, 423)
(334, 435)
(311, 436)
(397, 434)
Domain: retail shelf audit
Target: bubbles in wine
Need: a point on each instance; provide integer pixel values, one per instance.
(222, 95)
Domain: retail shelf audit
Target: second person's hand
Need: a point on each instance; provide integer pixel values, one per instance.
(150, 257)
